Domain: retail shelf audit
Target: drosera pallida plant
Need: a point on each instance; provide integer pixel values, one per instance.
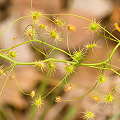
(35, 36)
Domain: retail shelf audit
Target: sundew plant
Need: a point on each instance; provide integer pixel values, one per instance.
(35, 34)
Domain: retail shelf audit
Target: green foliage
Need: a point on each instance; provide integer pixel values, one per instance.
(77, 57)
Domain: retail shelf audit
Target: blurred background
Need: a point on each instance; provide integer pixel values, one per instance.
(16, 106)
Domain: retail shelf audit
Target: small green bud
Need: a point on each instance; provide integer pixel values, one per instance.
(109, 98)
(59, 23)
(90, 46)
(53, 34)
(51, 65)
(77, 55)
(42, 26)
(70, 69)
(93, 26)
(38, 102)
(12, 54)
(102, 79)
(89, 115)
